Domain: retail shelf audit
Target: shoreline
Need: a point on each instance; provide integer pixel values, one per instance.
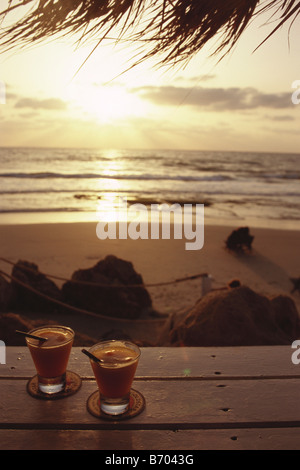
(40, 218)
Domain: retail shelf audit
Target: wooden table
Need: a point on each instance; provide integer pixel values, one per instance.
(196, 398)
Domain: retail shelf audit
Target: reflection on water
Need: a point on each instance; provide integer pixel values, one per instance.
(85, 184)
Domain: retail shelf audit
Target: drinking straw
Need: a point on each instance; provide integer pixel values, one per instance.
(39, 338)
(91, 356)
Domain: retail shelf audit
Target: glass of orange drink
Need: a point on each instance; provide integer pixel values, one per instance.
(51, 356)
(114, 373)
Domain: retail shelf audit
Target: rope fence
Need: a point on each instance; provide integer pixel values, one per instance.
(96, 284)
(87, 312)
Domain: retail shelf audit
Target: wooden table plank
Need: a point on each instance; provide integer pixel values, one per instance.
(169, 405)
(263, 361)
(197, 439)
(196, 398)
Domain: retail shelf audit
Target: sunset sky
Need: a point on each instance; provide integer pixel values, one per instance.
(242, 103)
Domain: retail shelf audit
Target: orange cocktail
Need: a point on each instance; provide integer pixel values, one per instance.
(51, 357)
(115, 373)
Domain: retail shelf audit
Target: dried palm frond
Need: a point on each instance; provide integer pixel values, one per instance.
(174, 30)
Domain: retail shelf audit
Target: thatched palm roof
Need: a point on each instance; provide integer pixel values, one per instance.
(173, 30)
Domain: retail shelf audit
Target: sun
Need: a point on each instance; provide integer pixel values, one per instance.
(106, 103)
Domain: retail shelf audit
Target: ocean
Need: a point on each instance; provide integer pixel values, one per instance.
(236, 188)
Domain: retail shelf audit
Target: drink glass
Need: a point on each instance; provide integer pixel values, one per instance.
(115, 373)
(51, 357)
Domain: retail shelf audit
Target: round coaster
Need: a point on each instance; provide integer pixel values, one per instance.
(136, 406)
(73, 384)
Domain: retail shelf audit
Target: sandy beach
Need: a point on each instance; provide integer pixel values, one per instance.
(60, 249)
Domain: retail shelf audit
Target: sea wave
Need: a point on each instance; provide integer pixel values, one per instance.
(205, 175)
(155, 177)
(90, 193)
(290, 176)
(40, 210)
(233, 184)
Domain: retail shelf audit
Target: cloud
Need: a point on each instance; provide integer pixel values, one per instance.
(215, 99)
(49, 103)
(281, 118)
(196, 79)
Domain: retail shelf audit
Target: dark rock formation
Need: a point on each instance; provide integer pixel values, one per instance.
(234, 283)
(113, 296)
(237, 317)
(23, 298)
(115, 334)
(239, 240)
(286, 316)
(296, 284)
(9, 323)
(5, 294)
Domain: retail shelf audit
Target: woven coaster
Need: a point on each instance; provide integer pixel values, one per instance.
(73, 384)
(136, 406)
